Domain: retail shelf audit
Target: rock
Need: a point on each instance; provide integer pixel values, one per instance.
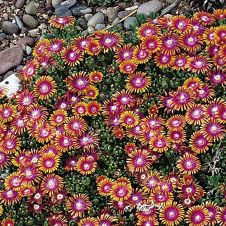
(7, 74)
(42, 26)
(85, 32)
(9, 27)
(131, 8)
(62, 11)
(69, 3)
(30, 21)
(90, 30)
(56, 3)
(5, 16)
(31, 8)
(171, 1)
(34, 32)
(147, 8)
(2, 36)
(85, 11)
(123, 14)
(82, 22)
(19, 4)
(28, 50)
(22, 42)
(112, 13)
(97, 18)
(76, 11)
(99, 27)
(19, 22)
(10, 58)
(115, 21)
(88, 16)
(129, 22)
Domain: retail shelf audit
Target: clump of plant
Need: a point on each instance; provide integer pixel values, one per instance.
(118, 129)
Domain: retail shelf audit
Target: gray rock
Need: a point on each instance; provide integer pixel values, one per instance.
(9, 27)
(28, 50)
(100, 27)
(30, 21)
(19, 22)
(69, 3)
(88, 16)
(90, 30)
(31, 8)
(2, 36)
(34, 32)
(85, 11)
(97, 18)
(171, 1)
(131, 8)
(85, 32)
(76, 11)
(112, 13)
(147, 8)
(129, 22)
(115, 21)
(123, 14)
(19, 4)
(10, 58)
(22, 42)
(62, 11)
(56, 3)
(82, 22)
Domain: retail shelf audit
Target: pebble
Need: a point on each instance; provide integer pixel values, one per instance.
(9, 27)
(100, 27)
(147, 8)
(2, 36)
(115, 21)
(5, 16)
(19, 4)
(34, 32)
(112, 13)
(97, 18)
(10, 58)
(19, 22)
(82, 22)
(88, 16)
(129, 22)
(30, 21)
(69, 3)
(123, 14)
(87, 10)
(22, 42)
(62, 11)
(28, 50)
(76, 11)
(131, 8)
(56, 3)
(31, 8)
(90, 30)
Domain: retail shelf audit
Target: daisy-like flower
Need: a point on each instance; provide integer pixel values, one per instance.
(7, 112)
(90, 221)
(106, 220)
(220, 35)
(64, 141)
(176, 136)
(159, 143)
(58, 117)
(139, 161)
(152, 123)
(36, 114)
(29, 70)
(147, 29)
(25, 99)
(123, 53)
(128, 66)
(58, 220)
(129, 119)
(171, 214)
(204, 18)
(120, 191)
(130, 148)
(220, 14)
(212, 50)
(175, 122)
(141, 55)
(78, 204)
(180, 24)
(87, 141)
(151, 181)
(30, 174)
(213, 210)
(135, 198)
(104, 186)
(95, 76)
(124, 98)
(44, 133)
(4, 160)
(193, 83)
(199, 143)
(93, 48)
(190, 41)
(212, 130)
(161, 198)
(109, 41)
(219, 61)
(213, 108)
(51, 184)
(195, 114)
(13, 181)
(91, 92)
(147, 222)
(221, 215)
(48, 162)
(209, 35)
(180, 62)
(71, 56)
(3, 129)
(44, 87)
(152, 44)
(10, 144)
(197, 27)
(18, 125)
(56, 46)
(205, 93)
(199, 64)
(163, 60)
(81, 43)
(138, 82)
(10, 196)
(197, 216)
(7, 222)
(61, 22)
(188, 164)
(77, 82)
(75, 125)
(85, 166)
(46, 62)
(170, 44)
(41, 48)
(80, 108)
(93, 108)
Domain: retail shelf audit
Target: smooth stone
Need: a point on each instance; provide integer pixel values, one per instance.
(30, 21)
(88, 16)
(19, 22)
(31, 8)
(34, 32)
(85, 11)
(19, 4)
(115, 21)
(10, 58)
(9, 27)
(82, 22)
(56, 3)
(129, 22)
(85, 32)
(69, 3)
(123, 14)
(28, 50)
(131, 8)
(147, 8)
(22, 42)
(76, 11)
(90, 30)
(171, 1)
(112, 13)
(5, 16)
(62, 11)
(2, 36)
(97, 18)
(99, 27)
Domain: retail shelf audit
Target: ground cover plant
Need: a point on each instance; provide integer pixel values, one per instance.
(118, 129)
